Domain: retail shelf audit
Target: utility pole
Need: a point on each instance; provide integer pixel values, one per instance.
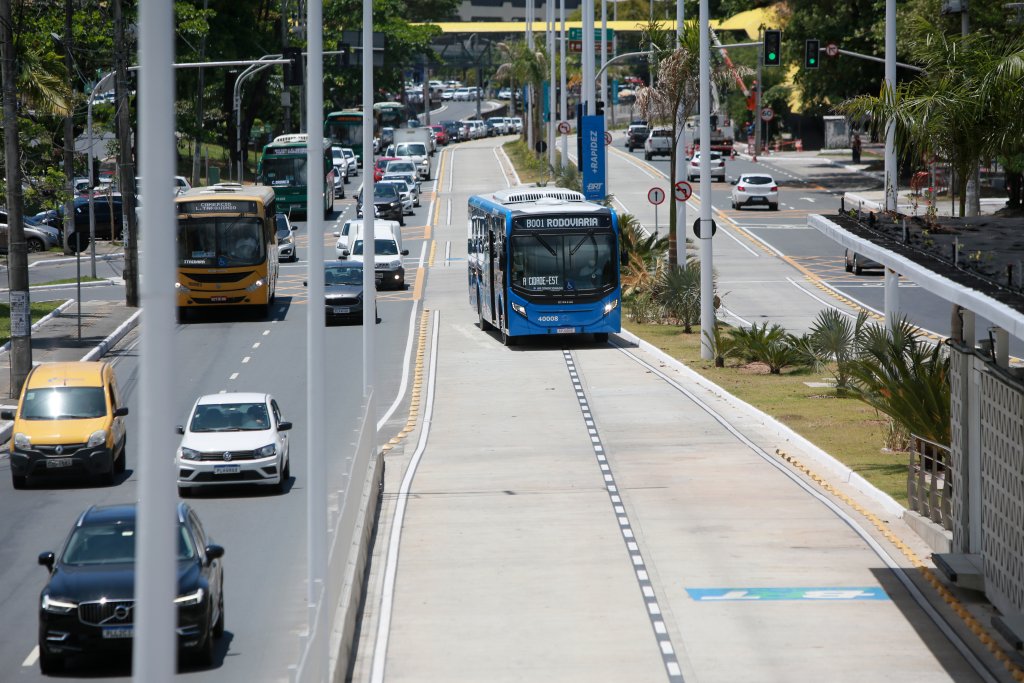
(563, 99)
(17, 254)
(286, 95)
(126, 161)
(69, 130)
(200, 101)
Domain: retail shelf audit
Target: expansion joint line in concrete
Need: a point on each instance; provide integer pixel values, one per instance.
(972, 624)
(417, 385)
(668, 653)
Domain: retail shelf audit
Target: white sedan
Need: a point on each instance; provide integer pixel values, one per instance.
(717, 167)
(237, 438)
(755, 189)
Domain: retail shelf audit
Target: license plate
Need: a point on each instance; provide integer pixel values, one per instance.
(120, 632)
(757, 199)
(566, 330)
(340, 310)
(58, 462)
(218, 299)
(227, 469)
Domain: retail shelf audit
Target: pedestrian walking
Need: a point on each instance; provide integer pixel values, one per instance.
(855, 145)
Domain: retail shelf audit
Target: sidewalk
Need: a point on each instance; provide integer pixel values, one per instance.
(104, 323)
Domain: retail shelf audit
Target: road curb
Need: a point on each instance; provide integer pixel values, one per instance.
(814, 453)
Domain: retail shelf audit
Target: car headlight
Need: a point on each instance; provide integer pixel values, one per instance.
(190, 598)
(22, 441)
(611, 306)
(254, 286)
(58, 606)
(519, 308)
(267, 451)
(97, 438)
(182, 288)
(189, 453)
(395, 264)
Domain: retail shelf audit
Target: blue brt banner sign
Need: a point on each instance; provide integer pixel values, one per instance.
(592, 163)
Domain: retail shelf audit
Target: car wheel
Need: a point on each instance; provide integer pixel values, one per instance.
(286, 474)
(401, 220)
(184, 491)
(218, 626)
(35, 244)
(19, 481)
(204, 655)
(647, 157)
(121, 464)
(49, 664)
(858, 269)
(847, 265)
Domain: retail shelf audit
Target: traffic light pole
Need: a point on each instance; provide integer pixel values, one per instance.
(757, 101)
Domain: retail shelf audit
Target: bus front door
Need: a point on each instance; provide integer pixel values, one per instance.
(491, 284)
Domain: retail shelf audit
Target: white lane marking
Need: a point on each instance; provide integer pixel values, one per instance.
(246, 359)
(808, 199)
(256, 345)
(740, 242)
(380, 649)
(745, 322)
(451, 165)
(504, 173)
(447, 252)
(823, 301)
(32, 658)
(266, 332)
(234, 375)
(423, 253)
(405, 361)
(449, 219)
(223, 391)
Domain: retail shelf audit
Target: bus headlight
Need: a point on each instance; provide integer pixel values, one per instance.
(182, 288)
(519, 308)
(611, 306)
(254, 286)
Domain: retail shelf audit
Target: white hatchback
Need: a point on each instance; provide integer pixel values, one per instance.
(236, 438)
(755, 189)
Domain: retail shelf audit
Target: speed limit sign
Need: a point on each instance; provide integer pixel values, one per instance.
(767, 114)
(564, 127)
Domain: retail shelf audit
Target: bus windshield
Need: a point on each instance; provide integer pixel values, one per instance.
(563, 263)
(284, 171)
(348, 133)
(220, 242)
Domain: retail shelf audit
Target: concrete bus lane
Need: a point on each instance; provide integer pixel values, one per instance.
(263, 533)
(573, 515)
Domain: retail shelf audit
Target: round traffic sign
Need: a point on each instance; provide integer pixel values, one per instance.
(564, 127)
(656, 195)
(607, 138)
(767, 114)
(683, 191)
(832, 50)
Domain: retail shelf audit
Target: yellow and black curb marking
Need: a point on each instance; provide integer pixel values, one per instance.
(417, 385)
(975, 627)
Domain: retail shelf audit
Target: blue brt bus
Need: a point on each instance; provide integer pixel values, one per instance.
(543, 261)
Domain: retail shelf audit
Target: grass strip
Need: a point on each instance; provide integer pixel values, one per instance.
(39, 309)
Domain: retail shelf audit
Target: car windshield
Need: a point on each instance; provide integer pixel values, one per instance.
(757, 180)
(384, 247)
(397, 179)
(411, 149)
(661, 133)
(401, 167)
(230, 417)
(397, 184)
(284, 171)
(385, 192)
(220, 241)
(114, 543)
(64, 403)
(563, 263)
(343, 275)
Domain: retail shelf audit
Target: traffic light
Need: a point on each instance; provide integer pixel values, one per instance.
(293, 69)
(811, 50)
(345, 56)
(230, 77)
(599, 108)
(772, 47)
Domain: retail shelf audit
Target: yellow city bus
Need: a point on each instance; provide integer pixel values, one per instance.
(227, 247)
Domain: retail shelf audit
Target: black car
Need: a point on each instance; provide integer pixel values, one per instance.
(386, 201)
(343, 291)
(453, 129)
(636, 135)
(88, 604)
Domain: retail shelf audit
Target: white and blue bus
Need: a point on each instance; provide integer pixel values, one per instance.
(543, 260)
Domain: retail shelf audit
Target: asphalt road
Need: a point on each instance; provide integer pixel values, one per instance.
(263, 533)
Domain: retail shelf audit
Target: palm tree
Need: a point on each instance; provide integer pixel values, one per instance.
(644, 254)
(675, 95)
(835, 338)
(526, 66)
(965, 106)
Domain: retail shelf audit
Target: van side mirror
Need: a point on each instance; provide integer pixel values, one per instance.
(337, 233)
(180, 429)
(121, 412)
(214, 552)
(345, 253)
(47, 559)
(294, 228)
(284, 426)
(405, 252)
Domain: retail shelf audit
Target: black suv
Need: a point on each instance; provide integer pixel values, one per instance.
(386, 201)
(88, 605)
(636, 135)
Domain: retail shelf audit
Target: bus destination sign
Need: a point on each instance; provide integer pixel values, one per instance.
(583, 222)
(217, 206)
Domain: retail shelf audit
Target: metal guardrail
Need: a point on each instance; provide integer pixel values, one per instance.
(352, 506)
(929, 486)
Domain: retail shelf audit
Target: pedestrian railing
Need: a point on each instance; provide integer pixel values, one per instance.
(929, 484)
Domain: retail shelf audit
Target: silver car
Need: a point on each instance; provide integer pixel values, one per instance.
(38, 237)
(410, 180)
(285, 242)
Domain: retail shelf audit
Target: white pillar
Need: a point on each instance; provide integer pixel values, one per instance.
(552, 119)
(531, 95)
(680, 15)
(156, 575)
(564, 97)
(369, 242)
(707, 293)
(604, 54)
(892, 297)
(891, 171)
(681, 162)
(588, 56)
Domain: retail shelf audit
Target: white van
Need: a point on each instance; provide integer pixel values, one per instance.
(389, 268)
(353, 230)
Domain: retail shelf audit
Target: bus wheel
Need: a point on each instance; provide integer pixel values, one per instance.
(182, 314)
(480, 314)
(601, 337)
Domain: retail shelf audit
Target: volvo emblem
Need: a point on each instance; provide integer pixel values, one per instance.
(121, 612)
(227, 455)
(59, 449)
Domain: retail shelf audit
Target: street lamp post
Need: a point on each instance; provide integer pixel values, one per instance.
(564, 98)
(99, 87)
